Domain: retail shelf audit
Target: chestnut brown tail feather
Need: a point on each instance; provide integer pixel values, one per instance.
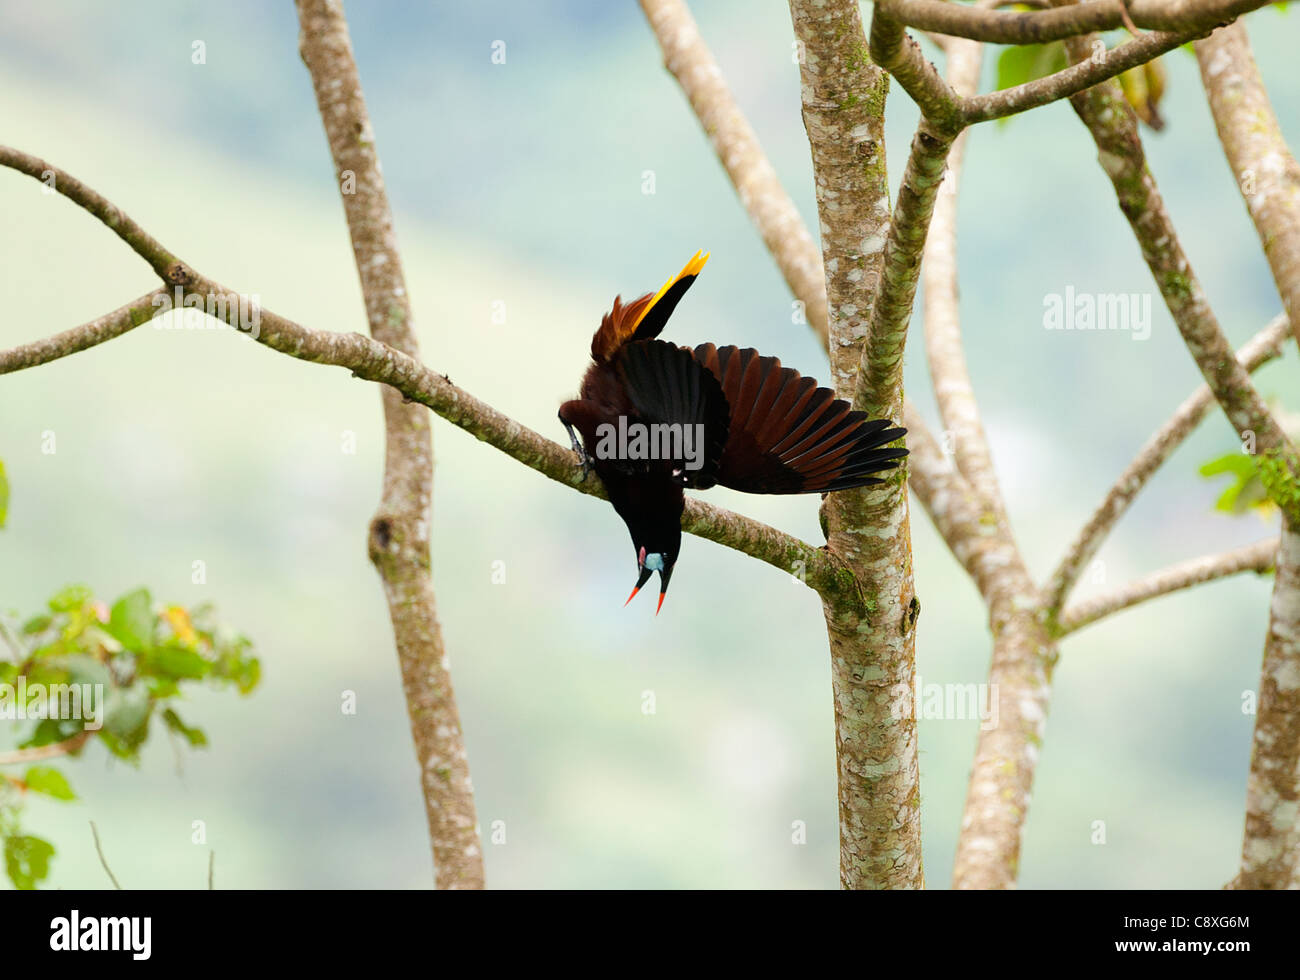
(787, 435)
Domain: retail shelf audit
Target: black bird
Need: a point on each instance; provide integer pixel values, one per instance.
(655, 418)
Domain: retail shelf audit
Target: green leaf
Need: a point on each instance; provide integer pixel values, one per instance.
(50, 730)
(175, 662)
(27, 860)
(194, 736)
(1246, 490)
(127, 715)
(1237, 463)
(131, 621)
(70, 598)
(1026, 62)
(49, 781)
(37, 624)
(82, 668)
(4, 494)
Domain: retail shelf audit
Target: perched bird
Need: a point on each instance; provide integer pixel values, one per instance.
(654, 418)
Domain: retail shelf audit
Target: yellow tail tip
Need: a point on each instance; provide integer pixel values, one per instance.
(691, 268)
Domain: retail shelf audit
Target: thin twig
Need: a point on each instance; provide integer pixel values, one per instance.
(1263, 166)
(369, 359)
(38, 753)
(945, 351)
(766, 202)
(947, 113)
(1265, 346)
(1259, 557)
(1270, 855)
(400, 528)
(103, 860)
(1041, 26)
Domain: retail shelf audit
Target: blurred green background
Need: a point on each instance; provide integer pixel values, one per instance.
(522, 183)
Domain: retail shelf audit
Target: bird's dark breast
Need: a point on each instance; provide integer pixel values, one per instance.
(604, 400)
(651, 505)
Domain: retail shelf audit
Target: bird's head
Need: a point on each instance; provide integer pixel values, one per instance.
(651, 507)
(653, 561)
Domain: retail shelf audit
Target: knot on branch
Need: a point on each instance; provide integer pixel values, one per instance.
(178, 274)
(381, 539)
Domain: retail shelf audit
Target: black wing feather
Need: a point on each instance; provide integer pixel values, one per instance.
(667, 385)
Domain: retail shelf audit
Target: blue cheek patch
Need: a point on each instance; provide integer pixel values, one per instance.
(654, 562)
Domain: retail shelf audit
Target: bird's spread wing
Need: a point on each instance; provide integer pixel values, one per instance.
(644, 318)
(667, 385)
(789, 436)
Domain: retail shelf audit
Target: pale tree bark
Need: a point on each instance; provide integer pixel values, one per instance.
(769, 206)
(1040, 26)
(373, 361)
(1260, 557)
(1006, 756)
(399, 531)
(1269, 180)
(1264, 347)
(774, 215)
(873, 640)
(1266, 172)
(1270, 846)
(943, 342)
(1025, 623)
(1270, 851)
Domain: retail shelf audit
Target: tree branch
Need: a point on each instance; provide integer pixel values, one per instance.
(960, 516)
(399, 531)
(973, 520)
(103, 861)
(140, 241)
(1259, 557)
(879, 390)
(872, 642)
(944, 351)
(1262, 348)
(894, 50)
(1041, 26)
(372, 361)
(1265, 170)
(766, 202)
(1270, 855)
(1113, 126)
(948, 113)
(375, 361)
(1270, 846)
(88, 335)
(37, 753)
(688, 58)
(1077, 78)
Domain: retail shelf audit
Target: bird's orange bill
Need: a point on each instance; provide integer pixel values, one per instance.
(633, 596)
(661, 602)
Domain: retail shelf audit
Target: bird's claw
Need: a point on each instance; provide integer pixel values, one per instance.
(578, 448)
